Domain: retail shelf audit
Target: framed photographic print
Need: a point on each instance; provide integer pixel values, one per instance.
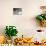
(17, 11)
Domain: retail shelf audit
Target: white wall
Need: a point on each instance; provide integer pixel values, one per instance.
(26, 23)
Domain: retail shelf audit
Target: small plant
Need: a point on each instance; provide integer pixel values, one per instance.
(11, 31)
(41, 17)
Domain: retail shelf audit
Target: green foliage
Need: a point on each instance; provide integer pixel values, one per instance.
(45, 16)
(41, 17)
(11, 31)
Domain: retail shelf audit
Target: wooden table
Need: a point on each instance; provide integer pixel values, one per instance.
(25, 44)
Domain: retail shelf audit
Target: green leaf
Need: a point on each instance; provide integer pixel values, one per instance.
(40, 18)
(45, 16)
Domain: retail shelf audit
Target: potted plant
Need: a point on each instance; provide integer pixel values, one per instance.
(10, 31)
(42, 17)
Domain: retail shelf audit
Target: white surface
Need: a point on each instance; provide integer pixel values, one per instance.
(26, 24)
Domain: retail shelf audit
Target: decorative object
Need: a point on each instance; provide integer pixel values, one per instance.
(17, 11)
(39, 30)
(42, 17)
(10, 31)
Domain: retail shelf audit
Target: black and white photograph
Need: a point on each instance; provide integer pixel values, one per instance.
(17, 11)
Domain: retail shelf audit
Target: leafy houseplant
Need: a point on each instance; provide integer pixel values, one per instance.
(11, 31)
(42, 19)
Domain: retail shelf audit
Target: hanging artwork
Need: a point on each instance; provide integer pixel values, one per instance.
(17, 11)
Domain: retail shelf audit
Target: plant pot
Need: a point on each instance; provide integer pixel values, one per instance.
(43, 23)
